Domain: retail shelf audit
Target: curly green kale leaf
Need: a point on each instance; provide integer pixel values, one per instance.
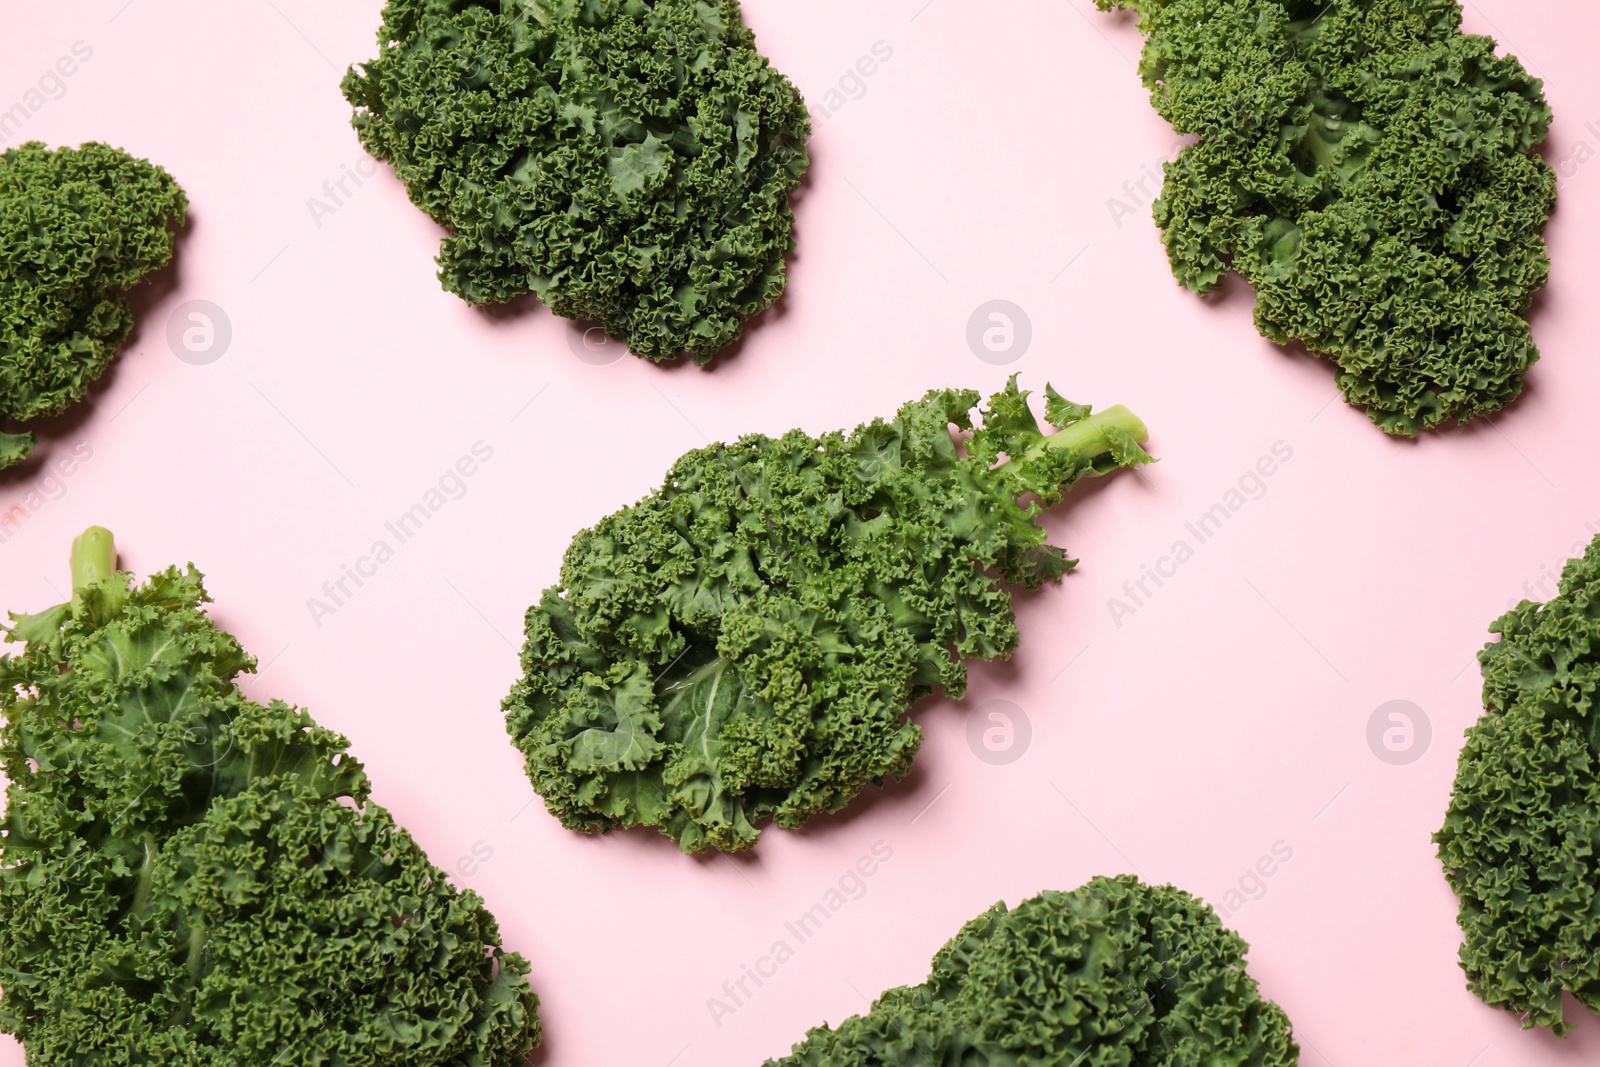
(1518, 842)
(190, 877)
(745, 642)
(1371, 171)
(1115, 972)
(77, 227)
(628, 162)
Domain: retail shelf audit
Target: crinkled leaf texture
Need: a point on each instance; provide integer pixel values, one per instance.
(1518, 843)
(1371, 171)
(745, 642)
(77, 227)
(630, 162)
(191, 878)
(1116, 973)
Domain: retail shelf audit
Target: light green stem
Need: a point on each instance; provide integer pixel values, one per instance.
(197, 948)
(147, 870)
(1087, 436)
(94, 557)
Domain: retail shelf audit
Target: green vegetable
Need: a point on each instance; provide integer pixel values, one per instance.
(744, 642)
(628, 162)
(77, 227)
(1113, 973)
(1518, 842)
(1372, 172)
(189, 877)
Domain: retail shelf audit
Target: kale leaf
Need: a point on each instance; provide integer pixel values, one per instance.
(77, 227)
(1518, 842)
(1115, 972)
(190, 877)
(1371, 171)
(628, 162)
(744, 642)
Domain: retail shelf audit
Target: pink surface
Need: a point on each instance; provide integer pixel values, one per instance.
(1224, 719)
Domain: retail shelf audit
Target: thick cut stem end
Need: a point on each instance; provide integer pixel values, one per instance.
(94, 557)
(1088, 436)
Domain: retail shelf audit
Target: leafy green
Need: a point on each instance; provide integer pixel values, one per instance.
(628, 162)
(1371, 171)
(1518, 842)
(77, 227)
(1116, 973)
(190, 877)
(744, 642)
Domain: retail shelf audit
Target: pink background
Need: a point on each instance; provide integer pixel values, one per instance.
(1226, 716)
